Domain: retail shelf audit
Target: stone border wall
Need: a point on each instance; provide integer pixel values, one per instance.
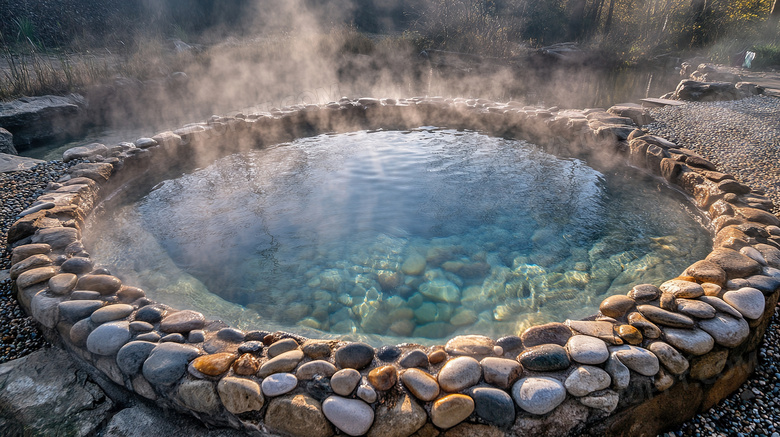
(650, 359)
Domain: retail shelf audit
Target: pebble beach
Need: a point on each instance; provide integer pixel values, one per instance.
(741, 137)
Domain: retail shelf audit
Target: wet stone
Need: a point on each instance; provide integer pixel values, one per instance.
(354, 356)
(415, 358)
(668, 302)
(616, 306)
(638, 359)
(175, 338)
(25, 251)
(735, 264)
(459, 373)
(750, 302)
(644, 293)
(726, 330)
(477, 346)
(232, 335)
(494, 406)
(682, 289)
(149, 336)
(584, 380)
(550, 333)
(706, 271)
(600, 329)
(151, 314)
(500, 372)
(196, 336)
(75, 310)
(251, 347)
(630, 334)
(646, 327)
(765, 284)
(352, 416)
(281, 346)
(28, 264)
(366, 392)
(672, 360)
(131, 356)
(84, 295)
(383, 378)
(182, 321)
(538, 395)
(695, 308)
(108, 338)
(344, 381)
(587, 350)
(279, 384)
(316, 350)
(130, 294)
(214, 364)
(103, 284)
(246, 364)
(422, 385)
(721, 306)
(111, 312)
(437, 356)
(388, 353)
(168, 362)
(57, 238)
(240, 395)
(666, 318)
(545, 358)
(141, 326)
(35, 276)
(284, 362)
(450, 410)
(77, 265)
(618, 371)
(692, 341)
(511, 343)
(80, 331)
(318, 367)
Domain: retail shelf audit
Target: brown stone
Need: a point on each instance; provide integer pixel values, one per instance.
(550, 333)
(35, 276)
(450, 410)
(298, 415)
(648, 328)
(616, 306)
(214, 364)
(668, 302)
(758, 216)
(25, 251)
(706, 271)
(644, 293)
(630, 334)
(735, 264)
(599, 329)
(398, 419)
(28, 263)
(709, 365)
(711, 289)
(246, 365)
(474, 430)
(437, 356)
(103, 284)
(383, 378)
(666, 318)
(316, 349)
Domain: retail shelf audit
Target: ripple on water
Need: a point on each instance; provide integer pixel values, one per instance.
(418, 234)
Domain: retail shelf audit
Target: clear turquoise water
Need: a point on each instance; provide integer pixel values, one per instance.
(420, 234)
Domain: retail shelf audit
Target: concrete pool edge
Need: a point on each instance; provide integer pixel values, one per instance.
(650, 394)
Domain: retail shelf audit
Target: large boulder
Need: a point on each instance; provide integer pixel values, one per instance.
(695, 91)
(34, 120)
(7, 142)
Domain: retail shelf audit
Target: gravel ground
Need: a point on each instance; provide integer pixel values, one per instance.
(19, 335)
(742, 138)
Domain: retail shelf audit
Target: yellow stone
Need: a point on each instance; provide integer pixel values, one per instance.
(451, 410)
(383, 378)
(246, 365)
(215, 364)
(630, 334)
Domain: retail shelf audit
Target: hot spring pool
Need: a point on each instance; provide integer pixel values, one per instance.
(419, 235)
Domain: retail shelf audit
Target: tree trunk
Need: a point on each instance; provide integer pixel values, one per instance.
(697, 35)
(775, 13)
(608, 23)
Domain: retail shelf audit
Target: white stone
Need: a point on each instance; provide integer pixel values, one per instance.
(587, 350)
(638, 359)
(726, 330)
(279, 384)
(692, 341)
(459, 373)
(538, 395)
(352, 416)
(748, 301)
(584, 380)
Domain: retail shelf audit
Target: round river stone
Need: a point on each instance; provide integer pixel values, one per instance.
(538, 395)
(459, 373)
(545, 358)
(354, 356)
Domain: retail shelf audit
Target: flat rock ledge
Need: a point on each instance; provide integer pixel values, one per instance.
(650, 359)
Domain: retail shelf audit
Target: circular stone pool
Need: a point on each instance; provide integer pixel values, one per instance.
(417, 234)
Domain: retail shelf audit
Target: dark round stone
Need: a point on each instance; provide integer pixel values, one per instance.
(174, 338)
(766, 284)
(549, 333)
(319, 388)
(251, 347)
(255, 335)
(101, 271)
(494, 406)
(545, 358)
(150, 313)
(510, 343)
(230, 334)
(415, 358)
(77, 265)
(388, 353)
(354, 356)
